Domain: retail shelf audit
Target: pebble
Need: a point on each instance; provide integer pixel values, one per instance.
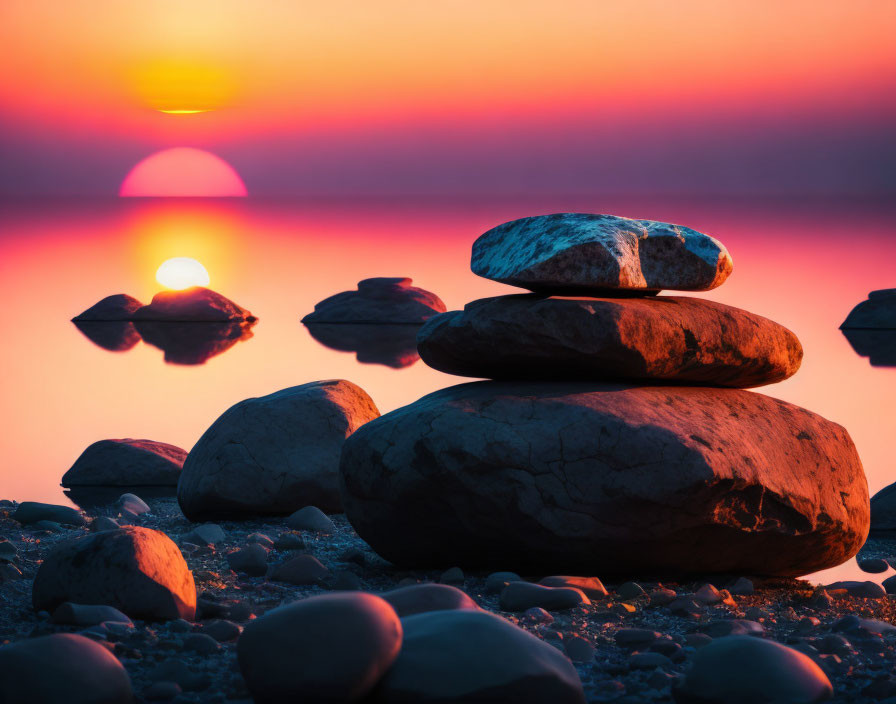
(201, 643)
(132, 504)
(189, 679)
(591, 586)
(453, 575)
(162, 691)
(87, 614)
(205, 534)
(732, 627)
(519, 596)
(707, 594)
(289, 541)
(252, 559)
(662, 597)
(300, 570)
(30, 512)
(648, 661)
(312, 519)
(9, 572)
(222, 630)
(635, 637)
(496, 581)
(742, 587)
(345, 581)
(578, 649)
(104, 523)
(261, 539)
(8, 551)
(537, 615)
(629, 591)
(422, 598)
(864, 590)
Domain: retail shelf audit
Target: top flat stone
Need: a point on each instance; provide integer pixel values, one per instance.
(582, 252)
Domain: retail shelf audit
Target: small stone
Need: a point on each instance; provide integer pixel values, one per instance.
(697, 640)
(132, 504)
(874, 566)
(686, 606)
(820, 599)
(87, 614)
(742, 587)
(422, 598)
(252, 559)
(178, 671)
(30, 512)
(205, 534)
(662, 597)
(180, 625)
(289, 541)
(732, 627)
(261, 539)
(8, 551)
(104, 523)
(301, 570)
(889, 584)
(9, 572)
(46, 526)
(863, 590)
(519, 596)
(453, 575)
(496, 581)
(591, 586)
(222, 630)
(345, 581)
(537, 616)
(241, 611)
(635, 637)
(630, 591)
(201, 643)
(808, 624)
(578, 649)
(667, 647)
(648, 661)
(707, 594)
(834, 643)
(355, 555)
(312, 519)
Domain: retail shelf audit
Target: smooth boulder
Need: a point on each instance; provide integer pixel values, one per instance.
(115, 308)
(579, 253)
(274, 454)
(63, 667)
(422, 598)
(331, 648)
(29, 512)
(195, 304)
(750, 670)
(878, 312)
(126, 462)
(667, 338)
(378, 300)
(136, 570)
(464, 656)
(600, 478)
(883, 509)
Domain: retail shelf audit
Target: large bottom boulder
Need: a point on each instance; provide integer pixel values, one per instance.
(475, 656)
(134, 569)
(64, 667)
(600, 478)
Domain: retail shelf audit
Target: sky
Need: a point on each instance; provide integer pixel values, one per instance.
(455, 97)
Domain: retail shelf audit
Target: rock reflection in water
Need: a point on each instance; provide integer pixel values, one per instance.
(390, 345)
(182, 343)
(878, 345)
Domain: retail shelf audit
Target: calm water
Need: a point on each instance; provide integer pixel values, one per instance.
(804, 264)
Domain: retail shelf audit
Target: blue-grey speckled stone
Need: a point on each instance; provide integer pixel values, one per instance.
(583, 252)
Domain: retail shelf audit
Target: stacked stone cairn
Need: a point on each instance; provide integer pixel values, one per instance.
(614, 433)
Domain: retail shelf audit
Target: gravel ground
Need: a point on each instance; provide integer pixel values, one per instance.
(858, 661)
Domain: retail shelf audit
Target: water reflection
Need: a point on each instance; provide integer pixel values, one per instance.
(117, 336)
(182, 343)
(393, 346)
(878, 345)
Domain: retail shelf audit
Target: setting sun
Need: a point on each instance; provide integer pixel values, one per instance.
(182, 272)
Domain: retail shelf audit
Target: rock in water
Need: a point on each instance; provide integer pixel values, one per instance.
(586, 253)
(378, 300)
(877, 313)
(464, 656)
(63, 667)
(136, 570)
(592, 478)
(748, 670)
(331, 648)
(126, 462)
(670, 339)
(196, 304)
(112, 308)
(274, 454)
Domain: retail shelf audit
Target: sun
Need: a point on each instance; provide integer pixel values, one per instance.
(182, 272)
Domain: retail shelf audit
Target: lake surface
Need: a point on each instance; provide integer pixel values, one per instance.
(804, 264)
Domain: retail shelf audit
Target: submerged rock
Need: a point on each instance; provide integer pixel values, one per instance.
(748, 670)
(331, 648)
(63, 667)
(126, 462)
(669, 339)
(378, 300)
(876, 313)
(274, 454)
(586, 253)
(136, 570)
(594, 478)
(196, 304)
(112, 308)
(112, 336)
(464, 656)
(878, 345)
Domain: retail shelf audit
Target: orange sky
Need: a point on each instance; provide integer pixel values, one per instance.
(280, 65)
